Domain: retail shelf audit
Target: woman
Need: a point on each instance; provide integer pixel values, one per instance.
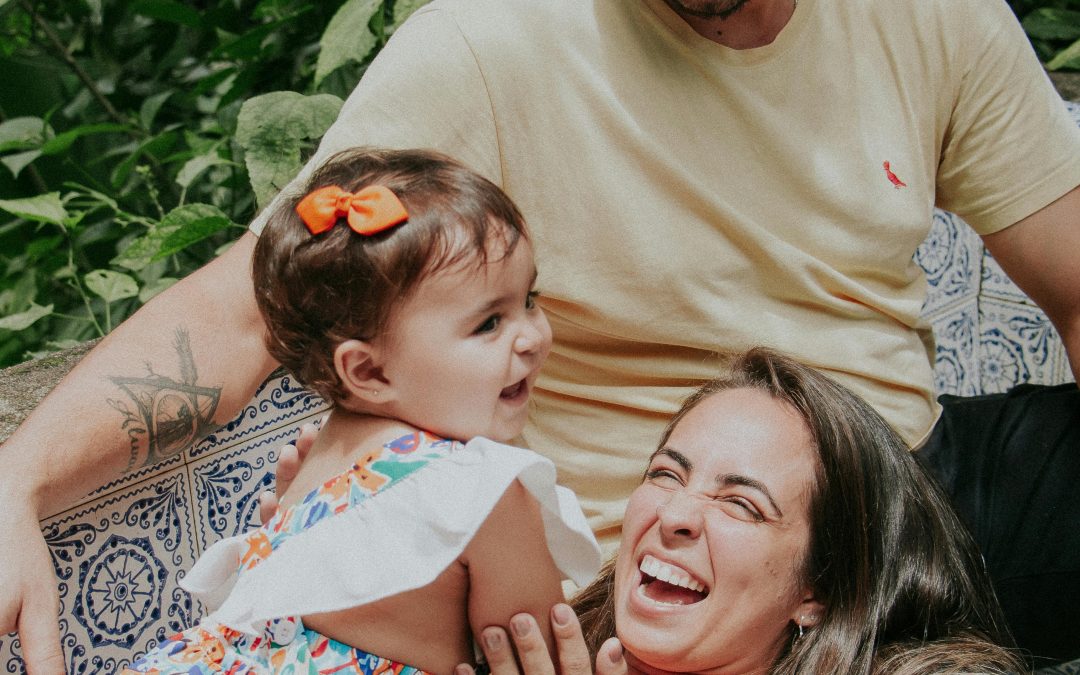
(781, 527)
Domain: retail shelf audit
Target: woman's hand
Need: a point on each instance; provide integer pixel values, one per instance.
(532, 657)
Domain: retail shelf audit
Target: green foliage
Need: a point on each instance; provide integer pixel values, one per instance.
(139, 137)
(275, 128)
(1054, 29)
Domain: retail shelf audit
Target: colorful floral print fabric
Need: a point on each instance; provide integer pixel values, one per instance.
(286, 646)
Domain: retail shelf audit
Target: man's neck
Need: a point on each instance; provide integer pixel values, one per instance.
(755, 24)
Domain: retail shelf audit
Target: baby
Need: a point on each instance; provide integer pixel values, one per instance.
(400, 287)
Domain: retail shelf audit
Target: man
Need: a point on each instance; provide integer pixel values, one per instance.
(698, 176)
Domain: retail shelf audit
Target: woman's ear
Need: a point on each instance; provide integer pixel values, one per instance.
(357, 364)
(810, 612)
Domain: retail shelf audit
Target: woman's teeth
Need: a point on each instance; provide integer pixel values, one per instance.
(662, 571)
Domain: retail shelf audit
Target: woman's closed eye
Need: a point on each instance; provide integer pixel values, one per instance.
(740, 507)
(663, 477)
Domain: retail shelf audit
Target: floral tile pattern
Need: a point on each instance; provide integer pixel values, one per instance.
(226, 486)
(120, 554)
(1017, 343)
(951, 257)
(280, 401)
(956, 333)
(119, 561)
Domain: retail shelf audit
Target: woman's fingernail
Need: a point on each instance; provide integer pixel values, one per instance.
(562, 614)
(463, 669)
(616, 653)
(520, 626)
(492, 640)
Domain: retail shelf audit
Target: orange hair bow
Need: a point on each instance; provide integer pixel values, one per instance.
(369, 211)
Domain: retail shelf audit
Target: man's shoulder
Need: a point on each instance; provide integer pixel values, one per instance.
(931, 17)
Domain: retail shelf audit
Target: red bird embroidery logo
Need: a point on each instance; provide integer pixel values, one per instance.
(893, 178)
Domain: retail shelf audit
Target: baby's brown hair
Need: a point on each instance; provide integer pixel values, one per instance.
(316, 291)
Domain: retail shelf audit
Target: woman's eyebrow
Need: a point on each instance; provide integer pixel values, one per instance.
(679, 458)
(728, 479)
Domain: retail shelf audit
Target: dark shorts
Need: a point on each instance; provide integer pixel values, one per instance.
(1011, 463)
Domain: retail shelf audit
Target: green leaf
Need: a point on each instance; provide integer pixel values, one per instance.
(95, 11)
(41, 245)
(111, 286)
(157, 146)
(149, 109)
(347, 37)
(1048, 23)
(403, 9)
(248, 45)
(65, 272)
(196, 165)
(22, 133)
(154, 287)
(168, 10)
(192, 232)
(25, 319)
(46, 208)
(144, 250)
(63, 141)
(19, 161)
(273, 129)
(1066, 57)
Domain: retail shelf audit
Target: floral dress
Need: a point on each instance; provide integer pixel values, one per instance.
(391, 523)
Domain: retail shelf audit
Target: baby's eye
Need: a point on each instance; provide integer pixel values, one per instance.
(489, 325)
(530, 299)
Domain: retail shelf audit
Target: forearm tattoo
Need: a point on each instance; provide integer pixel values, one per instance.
(163, 416)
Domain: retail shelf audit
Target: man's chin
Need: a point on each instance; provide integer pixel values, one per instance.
(707, 9)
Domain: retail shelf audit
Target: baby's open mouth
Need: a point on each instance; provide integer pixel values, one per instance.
(513, 391)
(668, 584)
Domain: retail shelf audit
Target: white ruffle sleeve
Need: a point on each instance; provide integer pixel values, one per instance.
(398, 540)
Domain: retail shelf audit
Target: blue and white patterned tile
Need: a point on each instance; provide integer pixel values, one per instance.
(119, 561)
(951, 258)
(1017, 343)
(226, 486)
(997, 285)
(279, 402)
(955, 347)
(142, 475)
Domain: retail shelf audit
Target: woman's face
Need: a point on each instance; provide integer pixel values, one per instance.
(707, 577)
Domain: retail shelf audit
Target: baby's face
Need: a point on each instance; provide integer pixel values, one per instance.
(462, 353)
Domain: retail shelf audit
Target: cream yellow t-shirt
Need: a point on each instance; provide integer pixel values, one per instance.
(687, 199)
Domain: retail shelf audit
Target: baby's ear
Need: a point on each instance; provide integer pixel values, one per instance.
(356, 364)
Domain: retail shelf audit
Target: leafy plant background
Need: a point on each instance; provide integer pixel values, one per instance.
(139, 137)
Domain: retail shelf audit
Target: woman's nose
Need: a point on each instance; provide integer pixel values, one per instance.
(680, 516)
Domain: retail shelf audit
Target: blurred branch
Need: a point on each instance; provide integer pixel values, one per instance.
(58, 47)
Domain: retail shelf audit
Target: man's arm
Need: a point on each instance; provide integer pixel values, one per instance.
(1041, 254)
(181, 366)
